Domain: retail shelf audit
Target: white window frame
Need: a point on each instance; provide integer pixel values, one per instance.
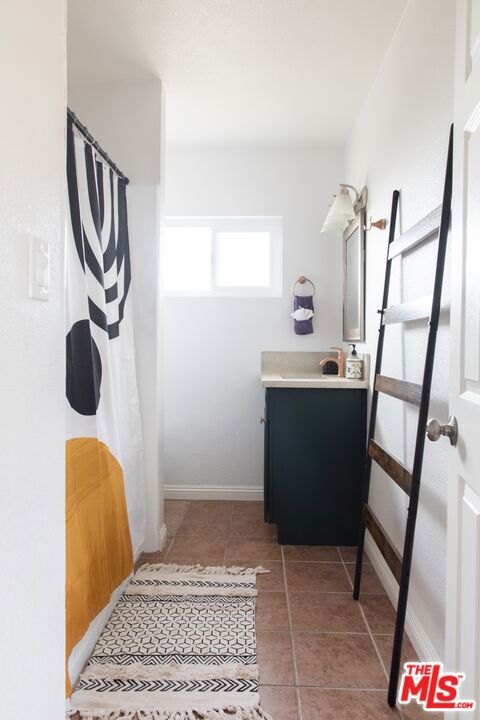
(270, 224)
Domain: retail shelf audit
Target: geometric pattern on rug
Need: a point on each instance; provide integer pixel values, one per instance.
(185, 628)
(179, 645)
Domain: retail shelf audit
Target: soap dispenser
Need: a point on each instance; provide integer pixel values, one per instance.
(354, 365)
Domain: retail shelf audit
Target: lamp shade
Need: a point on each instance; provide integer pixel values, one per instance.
(342, 206)
(340, 213)
(334, 227)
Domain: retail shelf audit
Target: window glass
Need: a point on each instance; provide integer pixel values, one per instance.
(187, 259)
(222, 256)
(243, 259)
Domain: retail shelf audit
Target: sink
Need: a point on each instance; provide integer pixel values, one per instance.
(292, 369)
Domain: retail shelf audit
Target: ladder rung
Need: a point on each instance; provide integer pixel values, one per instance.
(420, 232)
(392, 467)
(406, 312)
(391, 555)
(401, 389)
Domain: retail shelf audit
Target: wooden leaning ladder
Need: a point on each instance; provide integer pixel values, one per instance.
(413, 393)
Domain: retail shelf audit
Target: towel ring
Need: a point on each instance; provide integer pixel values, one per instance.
(302, 280)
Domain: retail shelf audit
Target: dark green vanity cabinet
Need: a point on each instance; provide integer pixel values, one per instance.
(314, 455)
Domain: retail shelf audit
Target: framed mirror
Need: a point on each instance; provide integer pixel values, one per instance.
(354, 280)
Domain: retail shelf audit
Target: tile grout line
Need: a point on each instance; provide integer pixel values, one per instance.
(320, 632)
(174, 534)
(331, 687)
(382, 664)
(228, 537)
(315, 562)
(367, 626)
(184, 515)
(327, 592)
(292, 641)
(170, 543)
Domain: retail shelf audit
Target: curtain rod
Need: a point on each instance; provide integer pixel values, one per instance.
(89, 137)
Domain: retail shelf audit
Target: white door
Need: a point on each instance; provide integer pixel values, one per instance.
(463, 558)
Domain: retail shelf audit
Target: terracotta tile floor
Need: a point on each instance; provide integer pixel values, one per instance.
(322, 656)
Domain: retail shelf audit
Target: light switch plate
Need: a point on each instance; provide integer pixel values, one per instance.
(38, 268)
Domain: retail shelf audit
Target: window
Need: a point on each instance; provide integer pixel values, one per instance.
(223, 256)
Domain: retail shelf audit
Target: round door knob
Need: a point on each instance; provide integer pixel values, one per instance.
(435, 430)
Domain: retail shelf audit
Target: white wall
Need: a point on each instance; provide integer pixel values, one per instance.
(127, 118)
(32, 361)
(213, 398)
(400, 141)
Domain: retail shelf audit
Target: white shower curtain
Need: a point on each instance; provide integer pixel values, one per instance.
(104, 464)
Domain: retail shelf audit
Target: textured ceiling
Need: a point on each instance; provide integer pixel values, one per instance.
(241, 71)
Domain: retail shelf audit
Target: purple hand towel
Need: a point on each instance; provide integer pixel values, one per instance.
(303, 327)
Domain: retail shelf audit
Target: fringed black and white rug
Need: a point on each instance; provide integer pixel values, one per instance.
(180, 645)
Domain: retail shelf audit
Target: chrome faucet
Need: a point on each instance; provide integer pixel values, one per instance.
(339, 359)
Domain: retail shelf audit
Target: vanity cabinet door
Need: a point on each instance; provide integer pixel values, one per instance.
(266, 463)
(316, 451)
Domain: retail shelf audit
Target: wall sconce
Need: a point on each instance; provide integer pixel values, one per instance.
(344, 209)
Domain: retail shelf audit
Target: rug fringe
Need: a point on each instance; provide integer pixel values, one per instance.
(204, 570)
(230, 712)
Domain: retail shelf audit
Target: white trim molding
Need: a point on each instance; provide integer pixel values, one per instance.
(413, 627)
(213, 492)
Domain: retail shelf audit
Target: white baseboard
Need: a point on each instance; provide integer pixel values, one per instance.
(414, 628)
(213, 492)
